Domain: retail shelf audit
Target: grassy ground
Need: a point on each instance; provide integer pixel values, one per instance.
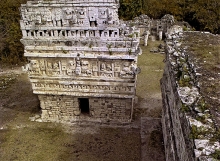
(23, 140)
(151, 71)
(148, 83)
(45, 141)
(150, 102)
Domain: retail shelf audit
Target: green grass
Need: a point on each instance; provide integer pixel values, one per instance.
(37, 143)
(208, 53)
(148, 82)
(151, 65)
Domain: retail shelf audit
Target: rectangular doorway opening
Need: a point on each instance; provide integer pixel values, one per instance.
(84, 105)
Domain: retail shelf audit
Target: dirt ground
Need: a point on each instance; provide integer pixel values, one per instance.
(21, 139)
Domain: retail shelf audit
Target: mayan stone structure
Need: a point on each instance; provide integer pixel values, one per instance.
(155, 29)
(82, 60)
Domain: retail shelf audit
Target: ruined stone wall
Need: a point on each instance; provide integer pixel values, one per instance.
(189, 128)
(155, 28)
(176, 128)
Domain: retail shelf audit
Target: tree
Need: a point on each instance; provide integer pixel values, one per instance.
(201, 14)
(130, 9)
(11, 50)
(204, 15)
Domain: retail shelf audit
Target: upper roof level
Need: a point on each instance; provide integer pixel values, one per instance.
(66, 13)
(76, 23)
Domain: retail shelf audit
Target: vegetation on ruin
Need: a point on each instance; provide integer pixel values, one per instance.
(202, 132)
(185, 108)
(205, 51)
(216, 154)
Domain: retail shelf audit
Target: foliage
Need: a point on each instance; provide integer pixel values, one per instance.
(11, 50)
(206, 13)
(185, 108)
(216, 154)
(201, 14)
(130, 9)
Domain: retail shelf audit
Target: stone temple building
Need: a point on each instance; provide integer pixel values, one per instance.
(82, 60)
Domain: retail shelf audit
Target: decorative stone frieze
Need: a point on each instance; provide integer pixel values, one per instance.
(82, 59)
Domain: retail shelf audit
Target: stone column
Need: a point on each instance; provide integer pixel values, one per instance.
(146, 38)
(24, 33)
(160, 35)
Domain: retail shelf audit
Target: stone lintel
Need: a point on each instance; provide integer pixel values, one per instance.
(77, 94)
(70, 3)
(83, 79)
(92, 56)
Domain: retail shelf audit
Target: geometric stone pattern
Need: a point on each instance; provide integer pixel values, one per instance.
(80, 51)
(66, 108)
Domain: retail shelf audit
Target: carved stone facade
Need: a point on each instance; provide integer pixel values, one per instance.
(83, 61)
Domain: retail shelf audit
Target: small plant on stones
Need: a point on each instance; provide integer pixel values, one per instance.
(216, 154)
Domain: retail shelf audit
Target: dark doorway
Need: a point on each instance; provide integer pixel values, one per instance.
(84, 105)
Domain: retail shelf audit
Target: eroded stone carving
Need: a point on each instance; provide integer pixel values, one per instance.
(79, 52)
(82, 67)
